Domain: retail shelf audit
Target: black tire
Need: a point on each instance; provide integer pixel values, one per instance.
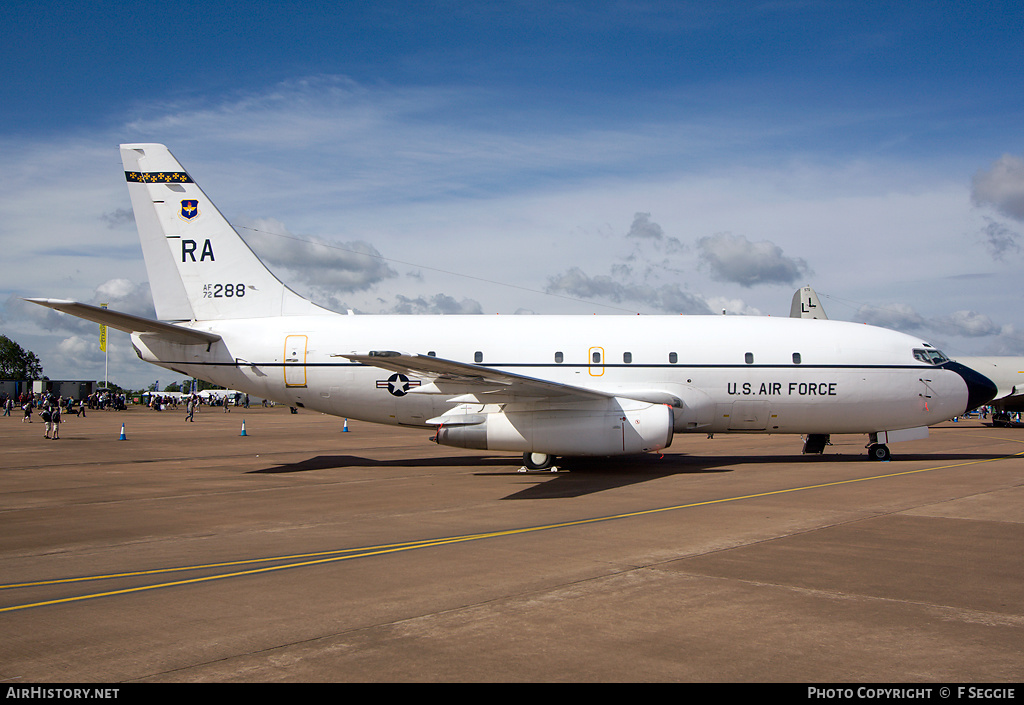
(879, 451)
(538, 461)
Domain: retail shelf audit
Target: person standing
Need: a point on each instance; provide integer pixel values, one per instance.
(47, 416)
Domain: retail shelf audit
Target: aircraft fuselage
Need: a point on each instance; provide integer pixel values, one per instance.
(721, 374)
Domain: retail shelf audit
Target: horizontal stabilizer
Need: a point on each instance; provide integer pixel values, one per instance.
(128, 323)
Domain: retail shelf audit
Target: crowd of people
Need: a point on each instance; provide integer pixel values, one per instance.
(1000, 417)
(50, 408)
(163, 402)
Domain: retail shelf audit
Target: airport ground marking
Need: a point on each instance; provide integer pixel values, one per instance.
(323, 557)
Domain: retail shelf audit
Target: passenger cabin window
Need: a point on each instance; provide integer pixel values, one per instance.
(749, 358)
(673, 358)
(627, 357)
(478, 356)
(932, 357)
(559, 357)
(796, 358)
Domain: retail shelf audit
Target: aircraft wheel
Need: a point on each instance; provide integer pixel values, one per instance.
(538, 461)
(879, 451)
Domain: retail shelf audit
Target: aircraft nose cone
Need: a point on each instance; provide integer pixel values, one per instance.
(980, 389)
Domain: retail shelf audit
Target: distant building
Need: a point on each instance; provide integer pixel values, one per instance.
(63, 388)
(13, 387)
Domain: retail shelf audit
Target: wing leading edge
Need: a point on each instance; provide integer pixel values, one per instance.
(461, 378)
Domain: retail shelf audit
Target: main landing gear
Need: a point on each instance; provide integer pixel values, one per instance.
(538, 461)
(816, 442)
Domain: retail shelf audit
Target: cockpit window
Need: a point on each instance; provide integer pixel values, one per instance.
(932, 356)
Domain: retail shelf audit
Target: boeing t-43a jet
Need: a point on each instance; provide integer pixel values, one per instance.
(544, 386)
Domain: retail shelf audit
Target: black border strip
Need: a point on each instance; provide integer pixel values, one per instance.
(158, 177)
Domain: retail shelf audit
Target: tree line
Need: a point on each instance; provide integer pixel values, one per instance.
(18, 363)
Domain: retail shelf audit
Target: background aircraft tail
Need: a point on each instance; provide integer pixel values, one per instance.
(806, 305)
(199, 267)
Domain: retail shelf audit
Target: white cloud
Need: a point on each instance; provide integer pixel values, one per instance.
(1002, 186)
(636, 278)
(118, 218)
(78, 350)
(666, 298)
(897, 316)
(947, 330)
(968, 324)
(438, 303)
(643, 227)
(733, 258)
(999, 240)
(338, 267)
(1010, 341)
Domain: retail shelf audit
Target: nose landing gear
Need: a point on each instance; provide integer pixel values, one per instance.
(879, 451)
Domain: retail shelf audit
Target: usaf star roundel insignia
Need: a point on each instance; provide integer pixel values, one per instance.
(397, 384)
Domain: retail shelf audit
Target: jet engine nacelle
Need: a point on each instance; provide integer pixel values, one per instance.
(624, 427)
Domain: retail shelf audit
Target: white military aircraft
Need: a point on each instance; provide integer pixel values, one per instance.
(1008, 375)
(544, 386)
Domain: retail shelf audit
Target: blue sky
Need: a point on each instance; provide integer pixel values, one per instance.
(530, 157)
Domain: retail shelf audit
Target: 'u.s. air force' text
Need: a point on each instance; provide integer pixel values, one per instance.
(781, 389)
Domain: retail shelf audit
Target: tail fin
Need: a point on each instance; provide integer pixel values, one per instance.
(806, 305)
(199, 268)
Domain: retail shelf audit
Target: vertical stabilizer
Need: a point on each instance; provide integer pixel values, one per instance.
(806, 305)
(199, 268)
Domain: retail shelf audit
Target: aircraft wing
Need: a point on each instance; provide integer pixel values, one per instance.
(457, 378)
(129, 323)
